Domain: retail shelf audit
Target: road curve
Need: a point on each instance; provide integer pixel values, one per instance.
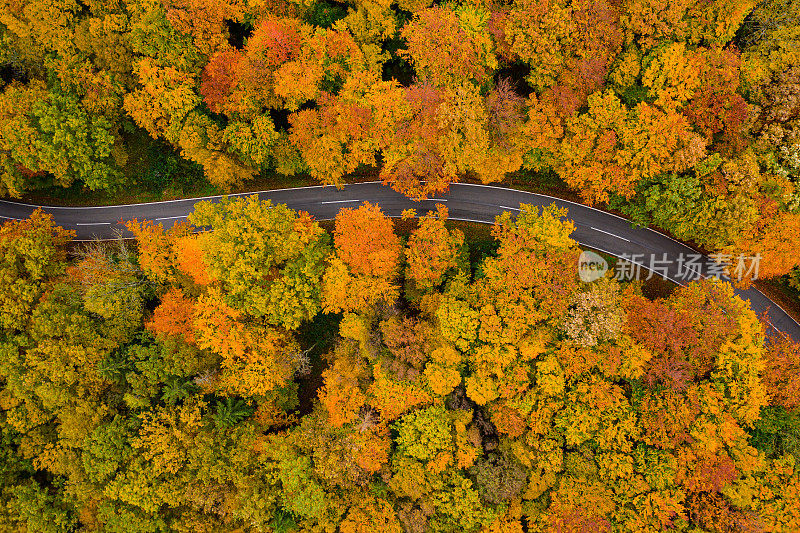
(594, 229)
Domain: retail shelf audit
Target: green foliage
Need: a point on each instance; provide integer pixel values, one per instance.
(324, 14)
(50, 132)
(777, 433)
(269, 258)
(43, 511)
(230, 412)
(423, 434)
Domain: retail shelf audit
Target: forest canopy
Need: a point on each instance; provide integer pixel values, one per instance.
(378, 375)
(681, 114)
(254, 369)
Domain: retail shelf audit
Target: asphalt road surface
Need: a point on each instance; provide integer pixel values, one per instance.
(595, 229)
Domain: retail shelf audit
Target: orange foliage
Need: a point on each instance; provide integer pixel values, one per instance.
(202, 19)
(189, 252)
(255, 359)
(432, 249)
(343, 291)
(341, 395)
(156, 253)
(416, 169)
(174, 316)
(409, 340)
(372, 448)
(275, 41)
(508, 420)
(685, 331)
(716, 106)
(708, 473)
(712, 512)
(782, 372)
(365, 240)
(775, 239)
(218, 79)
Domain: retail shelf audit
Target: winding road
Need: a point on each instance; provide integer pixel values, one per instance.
(594, 229)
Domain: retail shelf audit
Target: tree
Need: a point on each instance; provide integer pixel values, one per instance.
(268, 259)
(342, 395)
(609, 149)
(594, 316)
(673, 74)
(413, 164)
(448, 46)
(46, 132)
(347, 130)
(371, 516)
(157, 254)
(218, 79)
(432, 250)
(718, 108)
(715, 22)
(204, 21)
(112, 286)
(33, 255)
(189, 258)
(256, 359)
(335, 139)
(686, 333)
(543, 130)
(174, 316)
(163, 101)
(771, 238)
(534, 255)
(366, 263)
(780, 376)
(566, 42)
(326, 59)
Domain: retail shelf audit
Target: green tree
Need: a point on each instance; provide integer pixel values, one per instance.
(269, 259)
(44, 132)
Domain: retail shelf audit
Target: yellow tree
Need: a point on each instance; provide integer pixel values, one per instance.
(610, 149)
(32, 254)
(432, 250)
(365, 263)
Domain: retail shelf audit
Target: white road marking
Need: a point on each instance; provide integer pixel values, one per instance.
(607, 233)
(509, 208)
(93, 223)
(11, 218)
(172, 218)
(339, 201)
(435, 200)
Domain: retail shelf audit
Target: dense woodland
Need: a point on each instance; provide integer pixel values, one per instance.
(388, 376)
(684, 114)
(269, 375)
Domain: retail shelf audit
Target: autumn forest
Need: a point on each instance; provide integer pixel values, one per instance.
(253, 369)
